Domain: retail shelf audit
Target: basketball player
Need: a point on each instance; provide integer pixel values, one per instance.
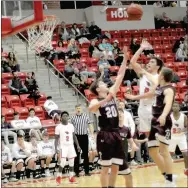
(65, 133)
(145, 107)
(7, 163)
(125, 134)
(161, 123)
(179, 127)
(109, 144)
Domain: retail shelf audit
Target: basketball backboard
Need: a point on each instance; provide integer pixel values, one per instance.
(19, 15)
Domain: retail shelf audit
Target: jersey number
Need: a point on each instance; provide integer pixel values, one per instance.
(168, 134)
(111, 112)
(67, 138)
(146, 90)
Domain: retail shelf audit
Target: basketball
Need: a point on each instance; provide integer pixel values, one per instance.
(134, 12)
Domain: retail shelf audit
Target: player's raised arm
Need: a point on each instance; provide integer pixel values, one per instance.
(137, 68)
(114, 89)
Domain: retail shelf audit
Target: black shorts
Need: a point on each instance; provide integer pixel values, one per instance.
(53, 112)
(124, 169)
(7, 166)
(110, 149)
(159, 133)
(24, 160)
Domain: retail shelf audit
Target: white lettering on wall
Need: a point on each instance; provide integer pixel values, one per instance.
(119, 14)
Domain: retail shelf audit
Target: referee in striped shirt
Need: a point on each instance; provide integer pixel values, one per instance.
(81, 124)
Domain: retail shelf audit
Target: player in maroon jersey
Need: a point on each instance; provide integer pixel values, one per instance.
(161, 123)
(109, 143)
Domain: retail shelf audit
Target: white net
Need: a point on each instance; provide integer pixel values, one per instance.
(40, 36)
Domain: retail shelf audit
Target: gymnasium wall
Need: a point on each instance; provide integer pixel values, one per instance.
(93, 14)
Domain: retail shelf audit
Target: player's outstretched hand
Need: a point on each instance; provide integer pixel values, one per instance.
(162, 120)
(145, 45)
(125, 52)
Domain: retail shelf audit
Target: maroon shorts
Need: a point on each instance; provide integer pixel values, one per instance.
(159, 133)
(110, 148)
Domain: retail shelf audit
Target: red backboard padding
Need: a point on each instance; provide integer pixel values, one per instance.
(6, 25)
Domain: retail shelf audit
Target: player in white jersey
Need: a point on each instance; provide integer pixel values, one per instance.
(7, 163)
(46, 153)
(65, 133)
(145, 108)
(178, 138)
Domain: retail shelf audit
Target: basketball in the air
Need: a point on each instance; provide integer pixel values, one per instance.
(134, 12)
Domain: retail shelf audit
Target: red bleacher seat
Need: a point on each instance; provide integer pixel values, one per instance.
(180, 66)
(8, 113)
(23, 112)
(135, 90)
(177, 98)
(5, 89)
(4, 54)
(27, 102)
(85, 45)
(136, 34)
(54, 44)
(167, 49)
(84, 60)
(158, 49)
(89, 94)
(156, 40)
(125, 34)
(84, 52)
(182, 75)
(170, 65)
(93, 69)
(50, 125)
(39, 112)
(168, 58)
(174, 33)
(42, 99)
(155, 33)
(182, 87)
(90, 80)
(22, 75)
(166, 41)
(115, 34)
(13, 101)
(124, 90)
(182, 96)
(124, 42)
(165, 33)
(6, 77)
(4, 102)
(57, 62)
(94, 61)
(146, 34)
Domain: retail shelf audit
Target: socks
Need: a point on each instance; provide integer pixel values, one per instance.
(27, 172)
(169, 177)
(42, 170)
(132, 158)
(18, 173)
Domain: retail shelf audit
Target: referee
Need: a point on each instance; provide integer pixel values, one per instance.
(81, 124)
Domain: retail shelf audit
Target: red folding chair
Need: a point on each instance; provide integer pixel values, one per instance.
(42, 99)
(5, 89)
(182, 74)
(180, 66)
(89, 95)
(39, 112)
(7, 77)
(3, 102)
(23, 112)
(27, 102)
(13, 101)
(8, 113)
(182, 86)
(22, 75)
(49, 125)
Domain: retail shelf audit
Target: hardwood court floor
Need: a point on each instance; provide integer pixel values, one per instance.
(143, 176)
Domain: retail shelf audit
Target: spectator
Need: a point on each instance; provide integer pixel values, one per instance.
(81, 122)
(159, 23)
(16, 85)
(46, 153)
(18, 123)
(108, 55)
(94, 49)
(85, 31)
(130, 77)
(180, 54)
(149, 51)
(94, 30)
(5, 66)
(185, 22)
(184, 105)
(79, 81)
(73, 48)
(104, 76)
(105, 45)
(51, 107)
(21, 152)
(64, 32)
(35, 124)
(134, 46)
(13, 62)
(186, 45)
(116, 49)
(5, 132)
(177, 44)
(75, 31)
(118, 55)
(157, 4)
(7, 163)
(69, 69)
(141, 141)
(61, 51)
(104, 62)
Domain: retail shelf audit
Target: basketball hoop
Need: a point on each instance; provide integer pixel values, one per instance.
(40, 36)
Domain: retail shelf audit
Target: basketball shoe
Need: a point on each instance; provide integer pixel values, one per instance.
(72, 180)
(186, 172)
(58, 180)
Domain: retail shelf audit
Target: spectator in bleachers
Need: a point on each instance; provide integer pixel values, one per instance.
(177, 44)
(17, 86)
(5, 66)
(104, 45)
(157, 4)
(34, 149)
(74, 49)
(116, 49)
(51, 107)
(104, 62)
(104, 76)
(109, 56)
(82, 67)
(130, 77)
(149, 51)
(64, 32)
(21, 152)
(184, 105)
(13, 62)
(180, 54)
(35, 124)
(30, 82)
(167, 22)
(7, 163)
(186, 44)
(117, 53)
(5, 132)
(141, 140)
(94, 49)
(95, 30)
(134, 45)
(61, 51)
(69, 69)
(75, 31)
(185, 22)
(79, 81)
(46, 153)
(158, 22)
(85, 31)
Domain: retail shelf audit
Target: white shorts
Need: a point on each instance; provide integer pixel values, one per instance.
(179, 141)
(145, 116)
(92, 145)
(68, 151)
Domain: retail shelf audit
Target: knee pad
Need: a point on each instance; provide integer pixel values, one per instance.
(71, 162)
(63, 162)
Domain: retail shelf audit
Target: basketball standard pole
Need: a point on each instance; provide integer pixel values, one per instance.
(20, 8)
(4, 8)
